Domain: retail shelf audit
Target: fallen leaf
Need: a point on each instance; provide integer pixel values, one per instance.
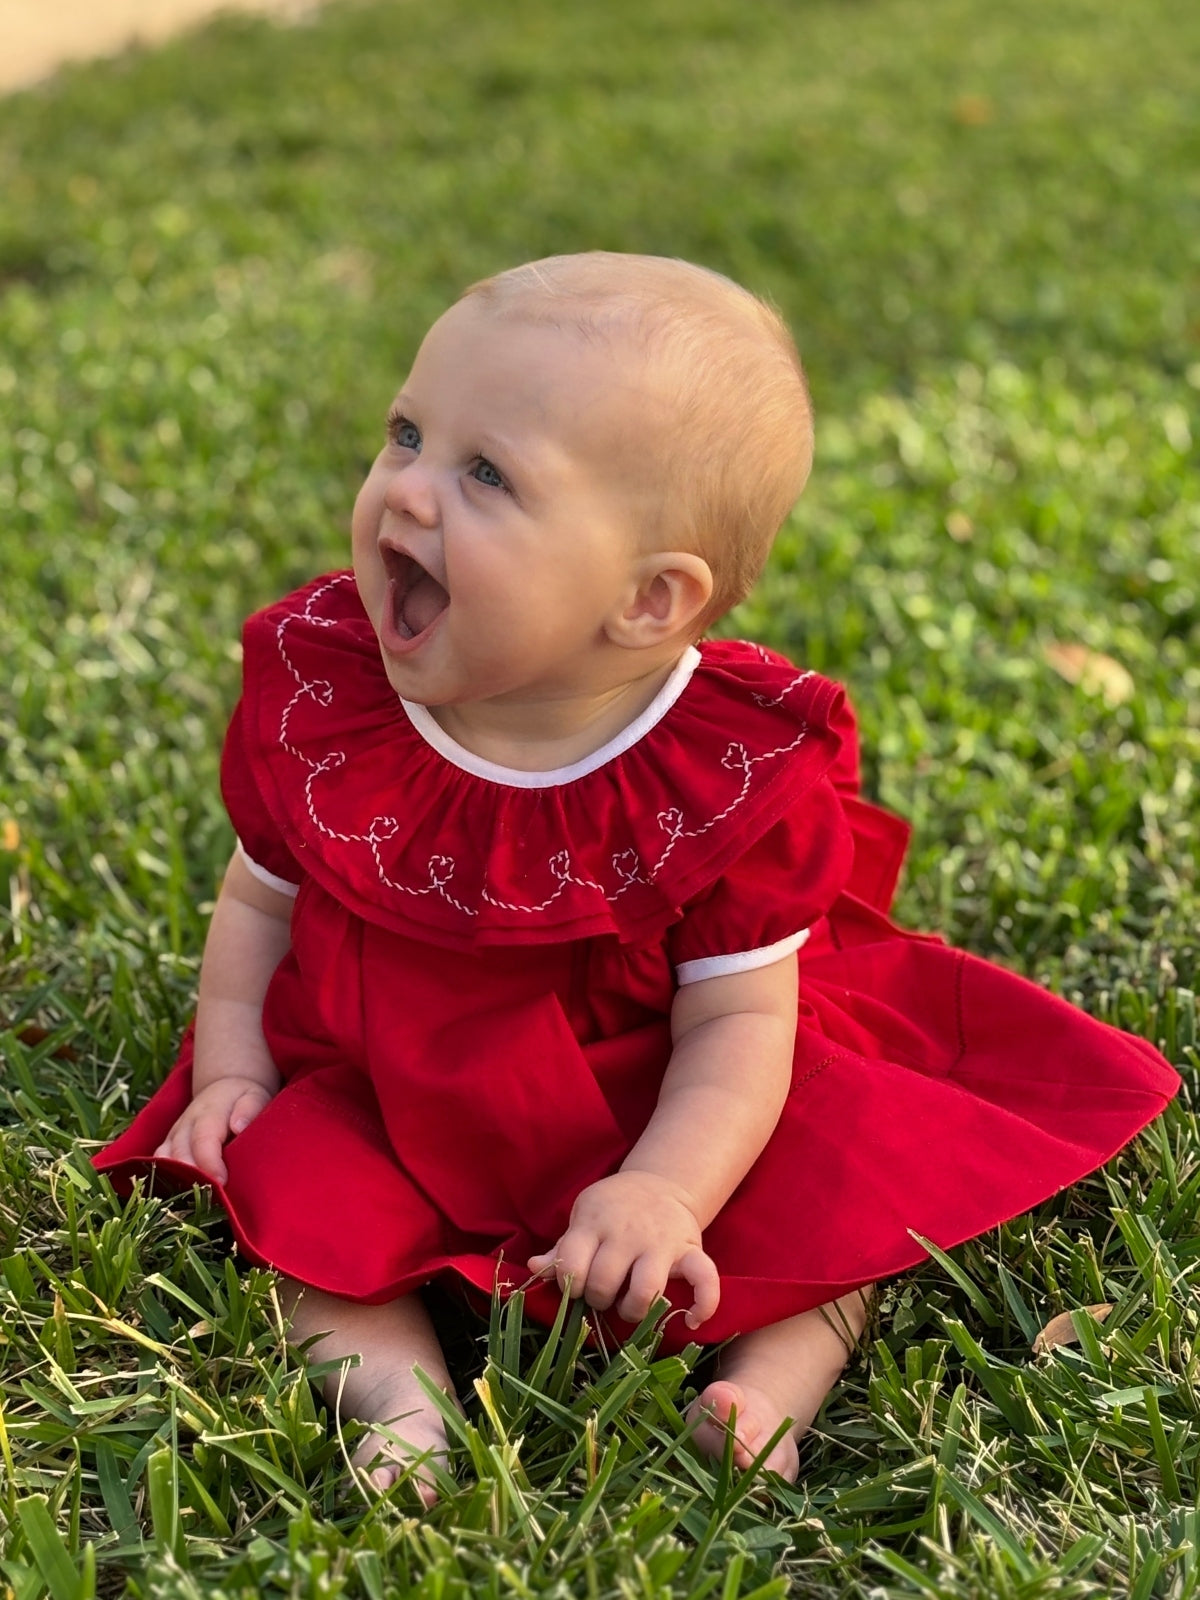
(32, 1036)
(1061, 1329)
(1094, 672)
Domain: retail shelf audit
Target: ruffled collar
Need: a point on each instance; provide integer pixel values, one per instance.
(413, 832)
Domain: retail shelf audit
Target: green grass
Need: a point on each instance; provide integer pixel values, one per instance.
(214, 262)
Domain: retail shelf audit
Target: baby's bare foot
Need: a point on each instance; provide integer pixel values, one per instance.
(780, 1373)
(752, 1416)
(410, 1437)
(381, 1348)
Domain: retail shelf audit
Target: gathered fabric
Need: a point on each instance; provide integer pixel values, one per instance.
(473, 1020)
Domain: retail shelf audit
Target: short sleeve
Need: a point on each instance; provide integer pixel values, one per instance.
(761, 908)
(259, 839)
(846, 771)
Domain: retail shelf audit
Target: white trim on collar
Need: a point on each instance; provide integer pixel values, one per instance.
(434, 735)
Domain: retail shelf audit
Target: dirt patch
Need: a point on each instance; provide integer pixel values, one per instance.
(36, 36)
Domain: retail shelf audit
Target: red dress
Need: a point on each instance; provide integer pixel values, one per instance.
(473, 1020)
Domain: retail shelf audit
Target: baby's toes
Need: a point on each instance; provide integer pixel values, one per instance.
(720, 1410)
(752, 1417)
(384, 1461)
(784, 1458)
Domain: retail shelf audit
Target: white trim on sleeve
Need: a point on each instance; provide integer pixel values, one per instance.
(280, 885)
(741, 961)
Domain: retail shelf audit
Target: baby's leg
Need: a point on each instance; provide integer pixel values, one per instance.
(781, 1372)
(390, 1341)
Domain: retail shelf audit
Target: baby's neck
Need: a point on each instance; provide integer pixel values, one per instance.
(545, 734)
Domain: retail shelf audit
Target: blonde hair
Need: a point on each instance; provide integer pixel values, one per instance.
(735, 451)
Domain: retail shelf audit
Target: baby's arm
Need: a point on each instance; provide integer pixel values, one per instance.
(722, 1095)
(233, 1076)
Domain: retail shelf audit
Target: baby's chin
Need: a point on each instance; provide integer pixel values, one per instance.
(416, 688)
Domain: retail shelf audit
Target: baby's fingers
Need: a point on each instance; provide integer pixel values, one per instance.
(647, 1281)
(208, 1140)
(198, 1143)
(701, 1272)
(608, 1270)
(570, 1261)
(245, 1108)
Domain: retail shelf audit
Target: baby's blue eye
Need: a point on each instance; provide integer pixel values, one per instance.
(405, 435)
(484, 472)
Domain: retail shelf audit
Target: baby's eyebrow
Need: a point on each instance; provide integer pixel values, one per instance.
(537, 468)
(495, 443)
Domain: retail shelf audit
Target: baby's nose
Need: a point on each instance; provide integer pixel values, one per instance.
(412, 492)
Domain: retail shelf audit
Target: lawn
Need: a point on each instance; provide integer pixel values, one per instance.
(215, 261)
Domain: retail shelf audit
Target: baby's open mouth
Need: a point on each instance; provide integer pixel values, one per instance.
(415, 598)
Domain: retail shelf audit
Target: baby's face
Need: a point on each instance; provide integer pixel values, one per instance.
(500, 524)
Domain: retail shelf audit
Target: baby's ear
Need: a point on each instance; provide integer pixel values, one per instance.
(672, 589)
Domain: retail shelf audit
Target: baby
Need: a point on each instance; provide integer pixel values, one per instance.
(554, 943)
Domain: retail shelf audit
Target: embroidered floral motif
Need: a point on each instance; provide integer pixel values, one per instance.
(628, 867)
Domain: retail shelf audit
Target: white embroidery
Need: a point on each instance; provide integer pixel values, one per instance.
(560, 866)
(627, 865)
(778, 699)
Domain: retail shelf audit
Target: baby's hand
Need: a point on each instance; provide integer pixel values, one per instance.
(222, 1109)
(637, 1226)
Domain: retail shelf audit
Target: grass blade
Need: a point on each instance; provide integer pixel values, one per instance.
(48, 1548)
(114, 1493)
(991, 1524)
(971, 1289)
